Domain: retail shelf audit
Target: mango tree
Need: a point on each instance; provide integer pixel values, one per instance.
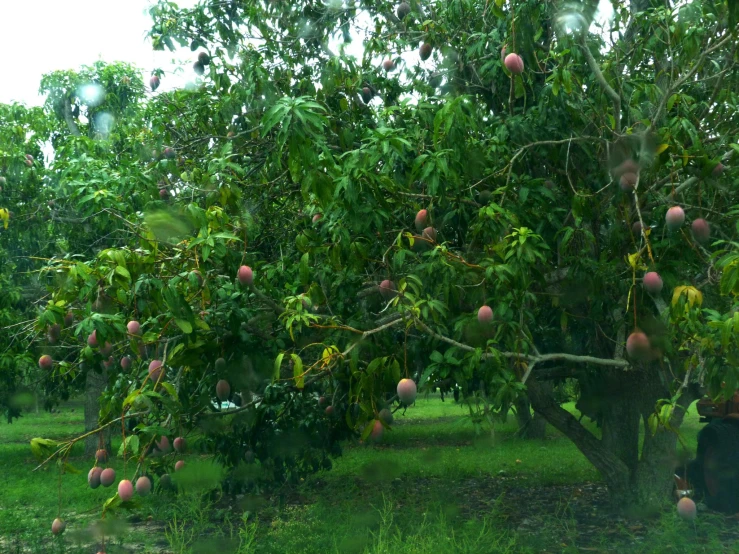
(488, 211)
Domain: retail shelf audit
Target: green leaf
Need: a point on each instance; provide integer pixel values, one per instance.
(112, 503)
(131, 398)
(368, 430)
(200, 324)
(131, 445)
(567, 81)
(278, 364)
(184, 325)
(436, 357)
(653, 423)
(374, 365)
(304, 269)
(69, 468)
(298, 371)
(43, 448)
(169, 388)
(122, 271)
(224, 235)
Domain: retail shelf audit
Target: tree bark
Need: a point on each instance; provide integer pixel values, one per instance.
(529, 427)
(94, 386)
(613, 470)
(69, 118)
(638, 485)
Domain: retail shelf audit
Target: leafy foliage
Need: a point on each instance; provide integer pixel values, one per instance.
(154, 215)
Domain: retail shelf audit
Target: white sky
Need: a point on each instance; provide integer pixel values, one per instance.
(69, 34)
(65, 34)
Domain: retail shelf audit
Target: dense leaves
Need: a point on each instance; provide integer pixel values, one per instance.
(158, 203)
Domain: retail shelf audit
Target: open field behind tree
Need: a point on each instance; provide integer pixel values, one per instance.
(436, 483)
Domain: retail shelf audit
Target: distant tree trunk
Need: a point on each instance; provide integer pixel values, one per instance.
(637, 485)
(94, 385)
(529, 426)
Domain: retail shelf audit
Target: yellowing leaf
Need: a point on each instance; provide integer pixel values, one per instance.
(693, 294)
(661, 148)
(5, 217)
(328, 354)
(633, 261)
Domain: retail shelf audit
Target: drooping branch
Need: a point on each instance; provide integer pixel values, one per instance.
(612, 94)
(67, 445)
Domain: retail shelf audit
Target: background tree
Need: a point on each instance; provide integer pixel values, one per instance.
(22, 237)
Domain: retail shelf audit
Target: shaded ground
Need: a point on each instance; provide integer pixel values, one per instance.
(553, 518)
(437, 483)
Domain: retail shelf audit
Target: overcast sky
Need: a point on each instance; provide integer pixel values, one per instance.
(65, 34)
(53, 35)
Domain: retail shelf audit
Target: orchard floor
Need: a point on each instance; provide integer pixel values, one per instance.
(435, 484)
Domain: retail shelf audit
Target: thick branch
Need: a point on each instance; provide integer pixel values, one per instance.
(540, 358)
(69, 119)
(685, 184)
(610, 466)
(612, 94)
(366, 334)
(557, 372)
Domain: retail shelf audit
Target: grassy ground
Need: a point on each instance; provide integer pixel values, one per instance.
(435, 484)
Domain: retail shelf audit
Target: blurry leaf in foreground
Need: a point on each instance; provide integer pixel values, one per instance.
(167, 226)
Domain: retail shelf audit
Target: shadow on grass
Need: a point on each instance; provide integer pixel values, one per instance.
(436, 483)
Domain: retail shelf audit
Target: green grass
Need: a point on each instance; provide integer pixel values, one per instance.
(436, 483)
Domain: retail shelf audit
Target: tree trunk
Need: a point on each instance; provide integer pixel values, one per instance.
(620, 417)
(637, 486)
(94, 385)
(529, 427)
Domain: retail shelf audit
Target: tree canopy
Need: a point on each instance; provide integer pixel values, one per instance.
(513, 155)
